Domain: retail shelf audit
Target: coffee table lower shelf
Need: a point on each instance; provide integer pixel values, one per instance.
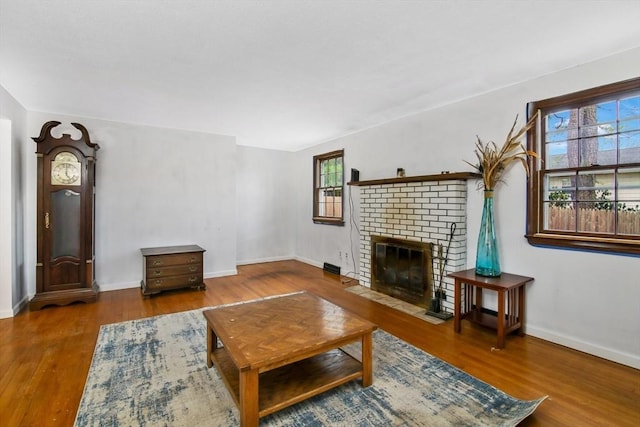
(290, 384)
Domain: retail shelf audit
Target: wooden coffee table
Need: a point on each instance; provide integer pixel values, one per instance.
(279, 351)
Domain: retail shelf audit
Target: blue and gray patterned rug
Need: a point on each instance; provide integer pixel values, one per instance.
(152, 372)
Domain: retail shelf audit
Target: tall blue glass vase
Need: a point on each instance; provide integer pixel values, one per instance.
(487, 256)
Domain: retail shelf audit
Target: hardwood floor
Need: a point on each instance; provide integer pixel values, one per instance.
(45, 355)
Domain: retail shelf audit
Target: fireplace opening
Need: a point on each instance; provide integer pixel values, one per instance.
(402, 269)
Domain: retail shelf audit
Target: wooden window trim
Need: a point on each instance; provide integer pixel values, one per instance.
(536, 234)
(316, 177)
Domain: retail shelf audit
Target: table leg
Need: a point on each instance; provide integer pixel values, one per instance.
(457, 306)
(521, 309)
(478, 291)
(367, 360)
(500, 319)
(249, 398)
(212, 341)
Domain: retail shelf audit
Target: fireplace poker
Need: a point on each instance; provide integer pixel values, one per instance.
(443, 261)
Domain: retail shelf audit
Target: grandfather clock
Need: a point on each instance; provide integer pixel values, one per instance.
(66, 192)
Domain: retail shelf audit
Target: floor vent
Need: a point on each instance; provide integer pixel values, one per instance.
(330, 268)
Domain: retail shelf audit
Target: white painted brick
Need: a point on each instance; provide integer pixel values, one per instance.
(410, 189)
(449, 193)
(430, 230)
(438, 212)
(429, 206)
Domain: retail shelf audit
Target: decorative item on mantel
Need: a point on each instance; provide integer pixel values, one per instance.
(492, 164)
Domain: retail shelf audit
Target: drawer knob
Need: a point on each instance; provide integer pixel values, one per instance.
(157, 272)
(193, 279)
(192, 269)
(193, 259)
(158, 282)
(156, 262)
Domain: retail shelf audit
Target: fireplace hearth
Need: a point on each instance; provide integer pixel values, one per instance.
(402, 269)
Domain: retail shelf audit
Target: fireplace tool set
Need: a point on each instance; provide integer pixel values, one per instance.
(441, 258)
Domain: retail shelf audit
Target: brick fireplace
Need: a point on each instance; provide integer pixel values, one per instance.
(417, 209)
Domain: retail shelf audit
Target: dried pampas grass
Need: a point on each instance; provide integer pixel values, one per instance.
(492, 162)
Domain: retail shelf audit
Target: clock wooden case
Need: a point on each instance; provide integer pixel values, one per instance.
(65, 218)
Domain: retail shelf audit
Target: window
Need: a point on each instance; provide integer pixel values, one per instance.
(585, 189)
(328, 178)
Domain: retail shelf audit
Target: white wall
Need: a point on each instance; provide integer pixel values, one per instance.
(13, 291)
(6, 225)
(154, 187)
(264, 183)
(588, 301)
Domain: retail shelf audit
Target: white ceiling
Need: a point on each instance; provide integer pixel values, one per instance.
(290, 74)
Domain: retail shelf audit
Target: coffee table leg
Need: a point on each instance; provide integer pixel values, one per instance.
(249, 398)
(212, 342)
(367, 360)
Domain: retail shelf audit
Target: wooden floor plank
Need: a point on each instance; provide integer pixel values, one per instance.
(45, 355)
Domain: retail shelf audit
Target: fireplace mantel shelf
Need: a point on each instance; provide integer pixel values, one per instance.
(421, 178)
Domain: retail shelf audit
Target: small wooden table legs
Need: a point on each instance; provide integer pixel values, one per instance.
(511, 302)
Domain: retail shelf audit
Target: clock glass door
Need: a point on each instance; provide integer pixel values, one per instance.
(64, 237)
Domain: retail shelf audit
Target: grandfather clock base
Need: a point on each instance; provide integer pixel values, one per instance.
(64, 297)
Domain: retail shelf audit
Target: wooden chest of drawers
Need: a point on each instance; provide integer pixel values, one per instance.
(171, 267)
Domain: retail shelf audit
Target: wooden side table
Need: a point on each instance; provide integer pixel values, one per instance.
(511, 312)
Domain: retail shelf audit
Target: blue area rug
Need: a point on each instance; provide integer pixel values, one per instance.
(152, 372)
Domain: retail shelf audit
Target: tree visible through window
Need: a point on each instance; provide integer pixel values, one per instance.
(328, 178)
(585, 191)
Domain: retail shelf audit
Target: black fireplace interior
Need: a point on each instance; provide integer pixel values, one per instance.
(402, 269)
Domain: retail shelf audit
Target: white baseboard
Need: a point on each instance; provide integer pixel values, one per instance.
(21, 304)
(261, 260)
(129, 285)
(222, 273)
(309, 261)
(5, 314)
(118, 286)
(586, 347)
